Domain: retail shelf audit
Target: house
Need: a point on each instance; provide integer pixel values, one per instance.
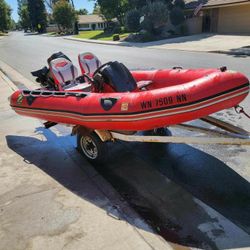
(220, 16)
(91, 22)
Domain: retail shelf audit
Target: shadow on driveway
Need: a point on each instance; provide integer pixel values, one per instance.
(138, 171)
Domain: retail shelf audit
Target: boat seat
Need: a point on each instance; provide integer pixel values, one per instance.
(63, 71)
(88, 63)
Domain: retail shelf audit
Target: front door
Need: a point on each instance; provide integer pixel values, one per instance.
(206, 23)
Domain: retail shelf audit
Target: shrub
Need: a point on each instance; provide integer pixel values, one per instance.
(147, 37)
(116, 29)
(183, 29)
(132, 20)
(116, 37)
(124, 29)
(155, 16)
(171, 32)
(147, 25)
(177, 16)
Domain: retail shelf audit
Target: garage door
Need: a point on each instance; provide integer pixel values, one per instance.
(235, 19)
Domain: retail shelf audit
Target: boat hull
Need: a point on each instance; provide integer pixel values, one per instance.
(176, 96)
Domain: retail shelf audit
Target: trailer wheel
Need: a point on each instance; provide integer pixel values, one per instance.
(92, 148)
(159, 132)
(163, 132)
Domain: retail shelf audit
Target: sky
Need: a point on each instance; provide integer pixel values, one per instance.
(79, 4)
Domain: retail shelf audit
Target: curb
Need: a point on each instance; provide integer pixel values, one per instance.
(94, 41)
(11, 85)
(150, 46)
(17, 79)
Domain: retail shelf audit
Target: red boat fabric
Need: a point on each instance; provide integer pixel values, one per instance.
(174, 96)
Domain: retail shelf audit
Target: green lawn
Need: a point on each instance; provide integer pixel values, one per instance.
(98, 35)
(52, 33)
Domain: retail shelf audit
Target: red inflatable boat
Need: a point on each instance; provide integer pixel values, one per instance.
(153, 99)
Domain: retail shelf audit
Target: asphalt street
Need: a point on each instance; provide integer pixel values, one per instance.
(200, 193)
(29, 52)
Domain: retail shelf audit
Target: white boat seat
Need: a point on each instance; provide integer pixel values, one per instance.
(88, 63)
(63, 71)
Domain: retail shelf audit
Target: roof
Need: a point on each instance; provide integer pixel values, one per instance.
(82, 19)
(191, 4)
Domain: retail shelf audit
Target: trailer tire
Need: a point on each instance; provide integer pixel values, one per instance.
(163, 132)
(92, 148)
(160, 132)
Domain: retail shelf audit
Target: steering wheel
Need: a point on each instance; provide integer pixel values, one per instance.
(89, 78)
(92, 80)
(102, 66)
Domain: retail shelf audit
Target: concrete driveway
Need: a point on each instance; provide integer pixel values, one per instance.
(205, 42)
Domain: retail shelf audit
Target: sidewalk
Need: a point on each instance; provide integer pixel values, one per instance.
(51, 198)
(227, 44)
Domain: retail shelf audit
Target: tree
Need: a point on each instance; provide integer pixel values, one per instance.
(114, 9)
(49, 5)
(20, 4)
(155, 17)
(37, 14)
(25, 18)
(64, 15)
(13, 24)
(23, 12)
(132, 20)
(96, 10)
(137, 4)
(177, 16)
(5, 16)
(82, 12)
(179, 3)
(177, 13)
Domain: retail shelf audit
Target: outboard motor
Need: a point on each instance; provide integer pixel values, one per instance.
(116, 75)
(42, 76)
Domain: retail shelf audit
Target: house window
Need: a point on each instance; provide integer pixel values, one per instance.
(84, 26)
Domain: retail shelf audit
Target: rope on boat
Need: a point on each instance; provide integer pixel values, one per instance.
(240, 110)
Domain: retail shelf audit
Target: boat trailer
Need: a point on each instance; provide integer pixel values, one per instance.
(231, 135)
(92, 144)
